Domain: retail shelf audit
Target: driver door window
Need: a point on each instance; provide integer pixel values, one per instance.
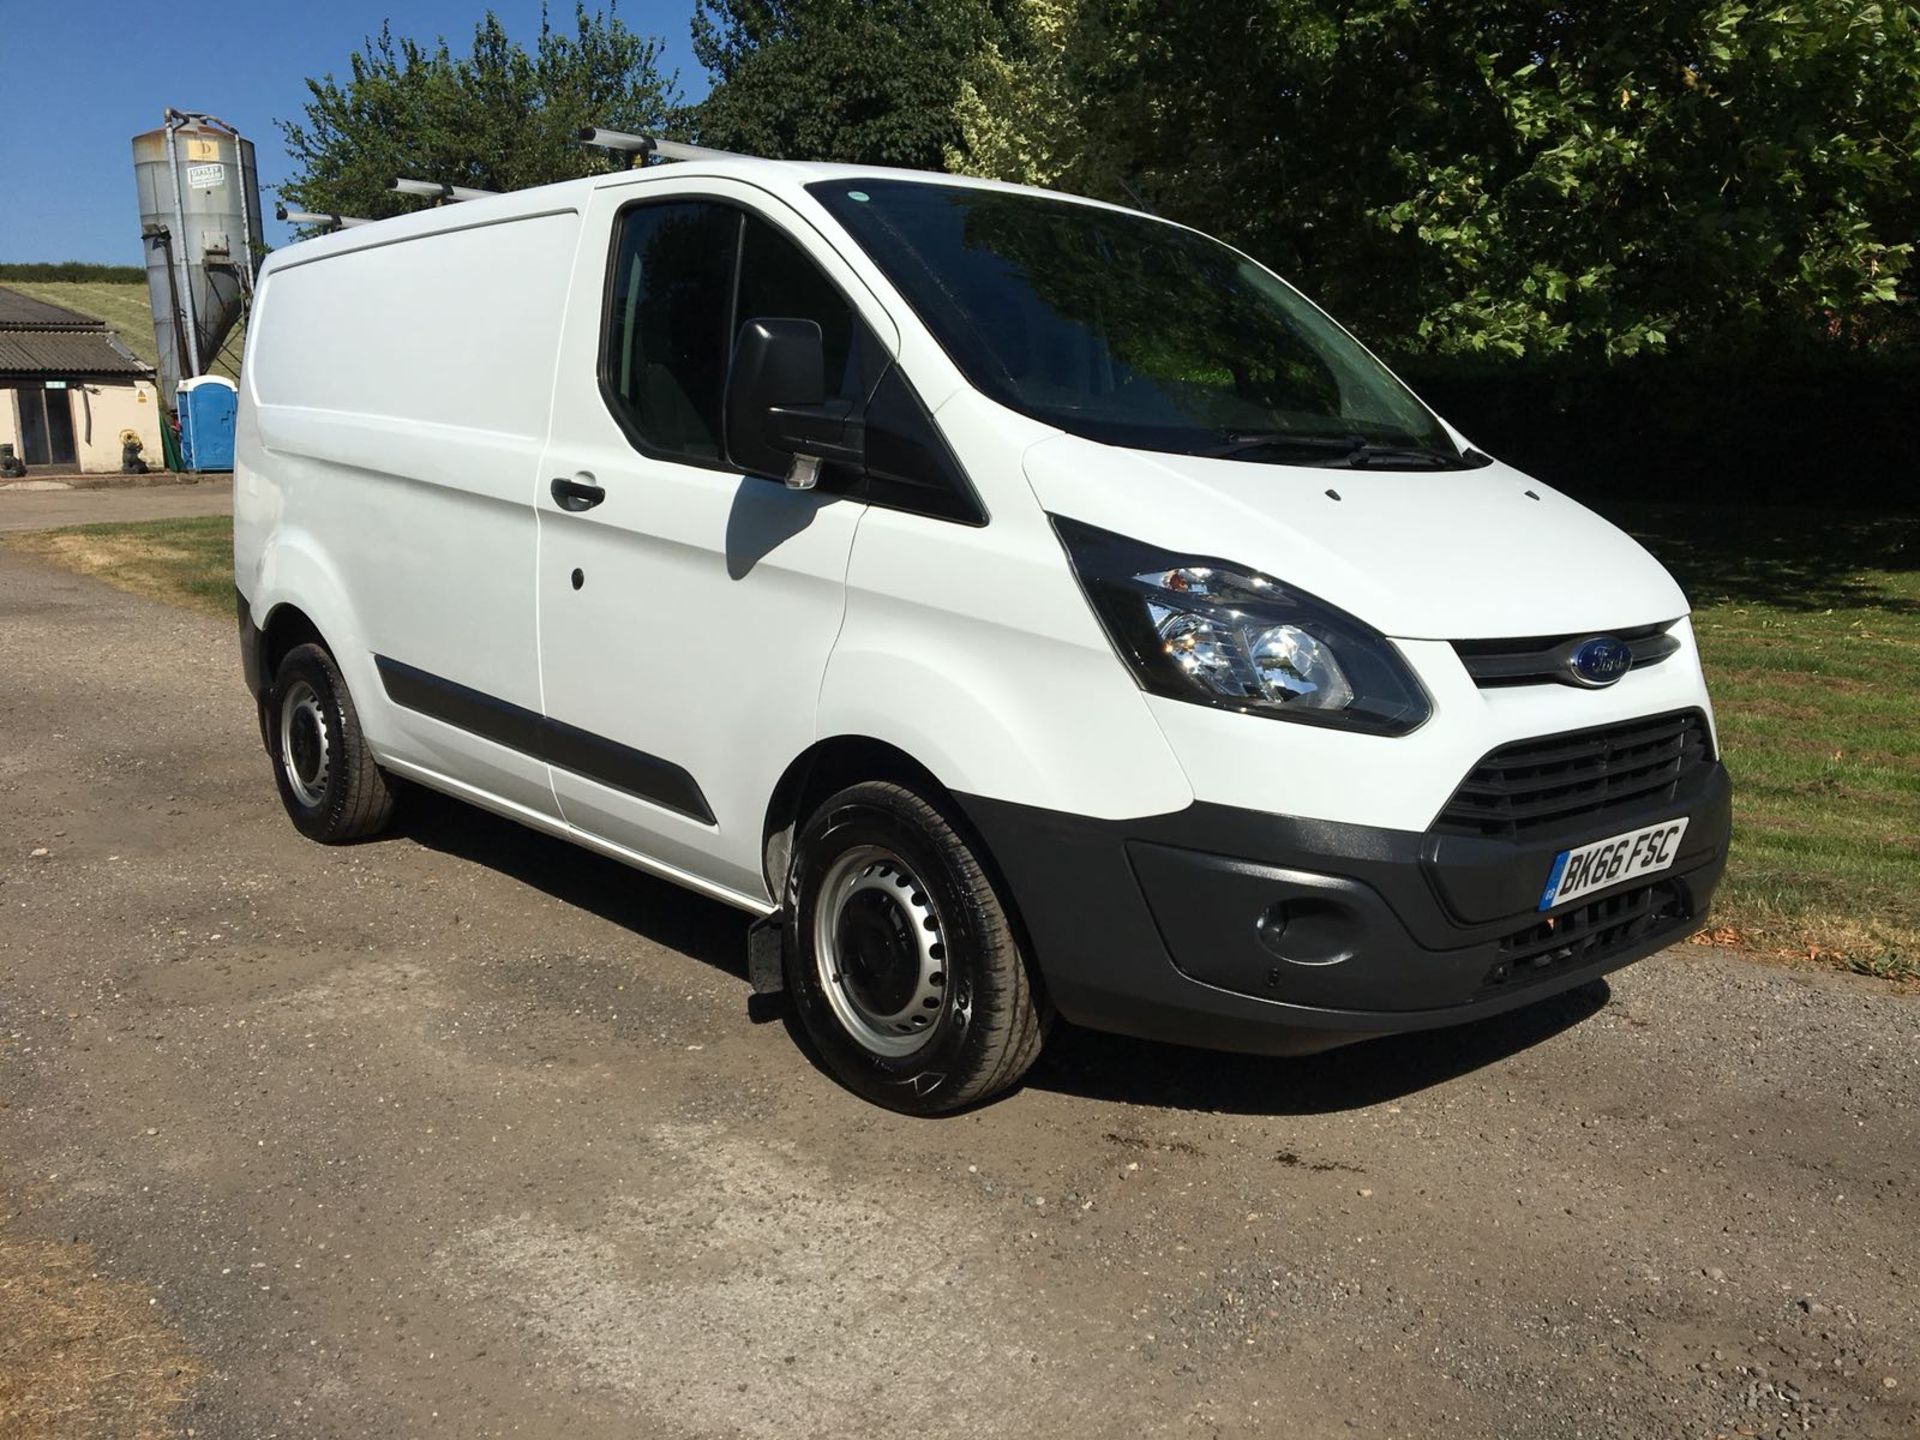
(686, 275)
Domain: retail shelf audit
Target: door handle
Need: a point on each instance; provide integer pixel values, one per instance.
(576, 495)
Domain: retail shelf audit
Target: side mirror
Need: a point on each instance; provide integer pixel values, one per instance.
(777, 417)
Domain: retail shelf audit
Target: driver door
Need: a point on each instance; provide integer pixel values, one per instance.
(686, 611)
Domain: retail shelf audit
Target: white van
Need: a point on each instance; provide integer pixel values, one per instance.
(1028, 606)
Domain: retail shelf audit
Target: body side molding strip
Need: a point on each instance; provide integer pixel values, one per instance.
(659, 782)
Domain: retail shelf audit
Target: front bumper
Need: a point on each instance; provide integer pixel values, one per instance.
(1237, 930)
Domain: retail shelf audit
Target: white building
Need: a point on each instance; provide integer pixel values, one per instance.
(68, 388)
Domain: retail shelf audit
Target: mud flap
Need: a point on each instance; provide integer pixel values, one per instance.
(766, 954)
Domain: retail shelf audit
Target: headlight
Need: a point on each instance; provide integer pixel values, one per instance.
(1221, 634)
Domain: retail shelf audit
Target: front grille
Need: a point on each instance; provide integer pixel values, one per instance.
(1535, 786)
(1545, 659)
(1588, 933)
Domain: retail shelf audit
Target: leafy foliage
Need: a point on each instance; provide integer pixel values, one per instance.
(1017, 109)
(867, 81)
(497, 118)
(1509, 176)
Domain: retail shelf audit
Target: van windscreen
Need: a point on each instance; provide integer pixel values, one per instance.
(1132, 331)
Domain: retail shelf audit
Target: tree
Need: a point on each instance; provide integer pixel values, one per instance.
(1513, 176)
(1016, 108)
(871, 82)
(497, 118)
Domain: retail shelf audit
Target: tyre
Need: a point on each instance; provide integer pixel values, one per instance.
(333, 789)
(905, 970)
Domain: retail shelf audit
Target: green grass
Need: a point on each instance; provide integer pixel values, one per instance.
(125, 308)
(182, 562)
(1809, 625)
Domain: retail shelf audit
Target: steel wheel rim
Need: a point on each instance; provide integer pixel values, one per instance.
(879, 952)
(306, 745)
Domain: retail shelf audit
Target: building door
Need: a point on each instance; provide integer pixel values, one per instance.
(46, 427)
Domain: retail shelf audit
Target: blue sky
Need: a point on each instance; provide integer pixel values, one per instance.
(80, 78)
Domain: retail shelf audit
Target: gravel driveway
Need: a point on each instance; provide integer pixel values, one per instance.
(466, 1132)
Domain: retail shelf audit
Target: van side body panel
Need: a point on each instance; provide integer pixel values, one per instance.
(399, 396)
(974, 651)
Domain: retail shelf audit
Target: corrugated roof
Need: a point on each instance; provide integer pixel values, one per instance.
(17, 310)
(72, 354)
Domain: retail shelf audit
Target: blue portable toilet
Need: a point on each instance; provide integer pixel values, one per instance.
(206, 405)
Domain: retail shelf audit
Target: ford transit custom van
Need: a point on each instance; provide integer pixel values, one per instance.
(1025, 608)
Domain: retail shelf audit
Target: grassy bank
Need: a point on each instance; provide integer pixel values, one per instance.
(182, 562)
(1809, 626)
(1810, 629)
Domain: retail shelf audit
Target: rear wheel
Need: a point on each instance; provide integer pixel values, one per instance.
(332, 788)
(905, 969)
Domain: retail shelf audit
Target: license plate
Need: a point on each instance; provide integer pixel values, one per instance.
(1610, 861)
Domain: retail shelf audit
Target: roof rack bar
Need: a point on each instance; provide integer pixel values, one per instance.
(327, 221)
(436, 190)
(646, 145)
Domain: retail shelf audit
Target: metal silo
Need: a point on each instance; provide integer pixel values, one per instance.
(200, 216)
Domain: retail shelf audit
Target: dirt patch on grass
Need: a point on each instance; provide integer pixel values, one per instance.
(181, 562)
(1832, 944)
(82, 1356)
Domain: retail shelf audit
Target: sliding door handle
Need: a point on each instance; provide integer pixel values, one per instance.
(577, 495)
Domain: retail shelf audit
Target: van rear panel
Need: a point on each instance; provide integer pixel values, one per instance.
(400, 395)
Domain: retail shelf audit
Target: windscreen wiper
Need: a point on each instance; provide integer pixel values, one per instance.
(1353, 451)
(1245, 442)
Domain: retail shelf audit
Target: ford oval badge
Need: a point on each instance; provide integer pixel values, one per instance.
(1599, 662)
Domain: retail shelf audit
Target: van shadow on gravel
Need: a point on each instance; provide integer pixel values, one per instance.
(654, 909)
(1076, 1062)
(1140, 1072)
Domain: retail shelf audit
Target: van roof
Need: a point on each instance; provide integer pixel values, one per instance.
(807, 172)
(774, 175)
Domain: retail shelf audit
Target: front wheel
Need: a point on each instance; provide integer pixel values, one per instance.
(905, 970)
